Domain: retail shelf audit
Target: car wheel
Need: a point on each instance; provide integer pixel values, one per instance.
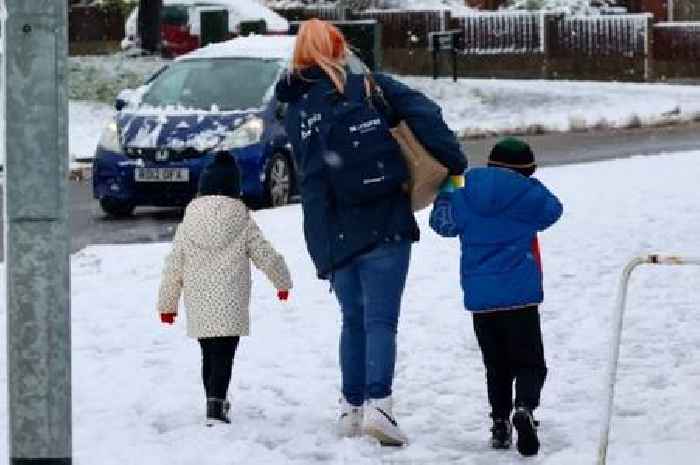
(116, 208)
(278, 188)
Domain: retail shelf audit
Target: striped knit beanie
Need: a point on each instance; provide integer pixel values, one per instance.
(513, 154)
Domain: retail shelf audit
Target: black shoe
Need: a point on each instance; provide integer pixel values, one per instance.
(217, 411)
(501, 434)
(526, 426)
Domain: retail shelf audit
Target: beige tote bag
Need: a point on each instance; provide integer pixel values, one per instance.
(427, 174)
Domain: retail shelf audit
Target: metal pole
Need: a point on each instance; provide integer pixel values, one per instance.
(433, 40)
(35, 145)
(617, 335)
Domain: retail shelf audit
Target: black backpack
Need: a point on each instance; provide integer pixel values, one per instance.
(362, 158)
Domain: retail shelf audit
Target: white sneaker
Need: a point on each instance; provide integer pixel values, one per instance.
(349, 419)
(380, 423)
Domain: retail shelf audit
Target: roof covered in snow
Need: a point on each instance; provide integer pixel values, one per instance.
(240, 10)
(255, 46)
(246, 10)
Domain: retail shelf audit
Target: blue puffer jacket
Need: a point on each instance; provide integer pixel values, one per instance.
(497, 216)
(336, 233)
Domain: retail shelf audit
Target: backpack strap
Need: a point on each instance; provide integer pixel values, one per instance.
(381, 103)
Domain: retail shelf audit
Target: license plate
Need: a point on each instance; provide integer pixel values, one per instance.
(162, 174)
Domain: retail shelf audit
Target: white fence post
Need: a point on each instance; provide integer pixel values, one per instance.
(617, 335)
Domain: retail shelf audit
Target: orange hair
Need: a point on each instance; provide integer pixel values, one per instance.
(321, 44)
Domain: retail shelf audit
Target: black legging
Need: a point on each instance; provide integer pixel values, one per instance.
(217, 363)
(511, 343)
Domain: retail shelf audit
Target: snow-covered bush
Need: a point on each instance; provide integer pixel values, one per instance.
(101, 78)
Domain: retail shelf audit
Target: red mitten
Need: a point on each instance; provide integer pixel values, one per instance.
(167, 318)
(283, 294)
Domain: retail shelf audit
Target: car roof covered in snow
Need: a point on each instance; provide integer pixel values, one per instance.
(253, 46)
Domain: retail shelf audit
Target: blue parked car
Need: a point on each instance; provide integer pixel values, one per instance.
(216, 99)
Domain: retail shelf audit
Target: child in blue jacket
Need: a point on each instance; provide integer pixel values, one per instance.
(497, 216)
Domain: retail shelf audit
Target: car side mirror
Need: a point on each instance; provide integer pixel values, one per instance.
(281, 110)
(124, 98)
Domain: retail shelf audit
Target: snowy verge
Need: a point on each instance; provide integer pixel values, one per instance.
(136, 388)
(86, 122)
(476, 107)
(102, 77)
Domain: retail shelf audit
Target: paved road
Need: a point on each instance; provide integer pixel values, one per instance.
(564, 148)
(90, 226)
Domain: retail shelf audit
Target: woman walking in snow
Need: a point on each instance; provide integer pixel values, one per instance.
(210, 262)
(358, 222)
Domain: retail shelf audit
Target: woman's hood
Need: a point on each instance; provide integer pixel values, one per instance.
(293, 85)
(214, 221)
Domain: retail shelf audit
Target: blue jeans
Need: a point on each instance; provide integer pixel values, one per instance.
(369, 291)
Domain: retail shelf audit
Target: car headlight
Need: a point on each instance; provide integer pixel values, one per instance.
(248, 133)
(110, 138)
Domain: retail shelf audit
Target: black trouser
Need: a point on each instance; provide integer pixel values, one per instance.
(511, 343)
(217, 363)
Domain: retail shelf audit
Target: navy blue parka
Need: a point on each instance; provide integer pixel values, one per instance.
(335, 233)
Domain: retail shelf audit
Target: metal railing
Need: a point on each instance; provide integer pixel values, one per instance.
(617, 335)
(503, 32)
(625, 35)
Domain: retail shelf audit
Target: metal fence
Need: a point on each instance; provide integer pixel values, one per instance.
(497, 42)
(555, 34)
(503, 32)
(614, 35)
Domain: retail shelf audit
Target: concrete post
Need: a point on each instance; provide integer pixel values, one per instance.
(35, 148)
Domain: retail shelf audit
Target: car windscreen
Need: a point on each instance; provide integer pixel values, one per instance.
(224, 83)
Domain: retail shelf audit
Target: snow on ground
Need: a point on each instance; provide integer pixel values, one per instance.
(136, 389)
(86, 122)
(384, 4)
(561, 6)
(477, 106)
(456, 7)
(102, 77)
(94, 83)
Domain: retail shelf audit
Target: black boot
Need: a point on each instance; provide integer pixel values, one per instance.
(528, 443)
(501, 434)
(217, 411)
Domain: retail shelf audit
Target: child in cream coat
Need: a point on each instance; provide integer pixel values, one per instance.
(210, 264)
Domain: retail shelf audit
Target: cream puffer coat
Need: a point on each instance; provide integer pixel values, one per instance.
(210, 264)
